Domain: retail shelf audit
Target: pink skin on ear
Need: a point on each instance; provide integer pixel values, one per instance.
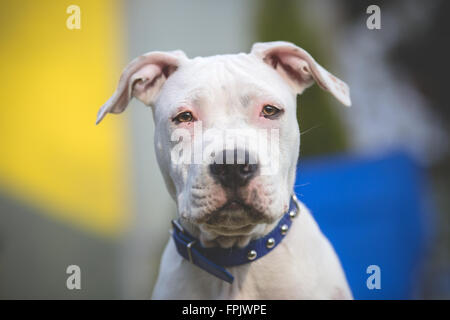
(299, 69)
(142, 78)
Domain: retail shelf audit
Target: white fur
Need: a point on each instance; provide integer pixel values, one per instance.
(224, 92)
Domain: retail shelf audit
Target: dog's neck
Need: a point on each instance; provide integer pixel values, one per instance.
(211, 239)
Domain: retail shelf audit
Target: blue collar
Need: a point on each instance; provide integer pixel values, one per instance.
(213, 260)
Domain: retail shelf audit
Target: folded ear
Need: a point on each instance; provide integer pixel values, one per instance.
(142, 78)
(299, 69)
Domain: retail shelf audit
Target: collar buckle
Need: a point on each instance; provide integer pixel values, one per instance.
(189, 250)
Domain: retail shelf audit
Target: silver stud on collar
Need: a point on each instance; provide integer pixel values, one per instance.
(292, 214)
(251, 255)
(284, 229)
(270, 243)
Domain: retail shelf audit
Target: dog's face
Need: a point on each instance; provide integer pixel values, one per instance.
(233, 104)
(227, 137)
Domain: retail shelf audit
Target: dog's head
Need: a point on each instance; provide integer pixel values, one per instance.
(227, 137)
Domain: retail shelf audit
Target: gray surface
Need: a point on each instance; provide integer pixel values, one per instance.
(35, 252)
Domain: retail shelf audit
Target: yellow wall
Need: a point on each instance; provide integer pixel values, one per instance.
(53, 80)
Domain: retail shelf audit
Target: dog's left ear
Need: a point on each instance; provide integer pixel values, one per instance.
(299, 69)
(142, 78)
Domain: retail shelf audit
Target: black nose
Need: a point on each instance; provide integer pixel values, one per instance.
(234, 168)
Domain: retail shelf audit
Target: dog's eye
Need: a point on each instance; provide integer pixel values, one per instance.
(183, 117)
(269, 111)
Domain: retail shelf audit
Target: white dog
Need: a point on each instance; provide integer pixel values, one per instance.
(241, 232)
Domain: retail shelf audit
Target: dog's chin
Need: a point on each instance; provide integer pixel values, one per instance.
(221, 230)
(234, 219)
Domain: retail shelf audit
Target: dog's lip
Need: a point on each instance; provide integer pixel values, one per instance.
(233, 205)
(230, 230)
(234, 216)
(229, 227)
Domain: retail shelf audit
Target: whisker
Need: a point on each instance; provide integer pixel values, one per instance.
(308, 130)
(302, 185)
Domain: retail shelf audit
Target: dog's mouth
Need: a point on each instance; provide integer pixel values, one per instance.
(234, 205)
(222, 230)
(234, 216)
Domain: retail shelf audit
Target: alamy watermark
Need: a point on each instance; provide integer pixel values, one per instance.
(74, 20)
(228, 146)
(374, 280)
(73, 281)
(374, 20)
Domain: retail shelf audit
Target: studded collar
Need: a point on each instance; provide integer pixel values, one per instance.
(214, 260)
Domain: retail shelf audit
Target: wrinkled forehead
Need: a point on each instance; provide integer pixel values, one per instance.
(225, 79)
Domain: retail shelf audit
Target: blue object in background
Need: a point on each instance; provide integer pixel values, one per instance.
(375, 211)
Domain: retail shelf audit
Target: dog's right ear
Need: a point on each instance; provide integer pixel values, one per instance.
(142, 78)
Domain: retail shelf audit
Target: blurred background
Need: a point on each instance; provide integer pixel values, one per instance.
(376, 175)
